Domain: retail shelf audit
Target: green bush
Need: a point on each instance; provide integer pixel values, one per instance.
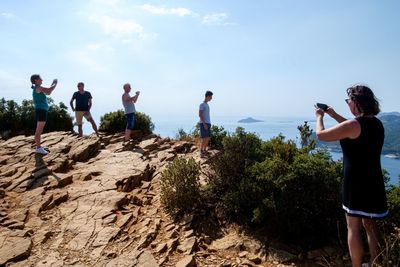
(218, 133)
(393, 198)
(390, 254)
(16, 119)
(295, 191)
(307, 199)
(114, 122)
(180, 188)
(182, 135)
(240, 150)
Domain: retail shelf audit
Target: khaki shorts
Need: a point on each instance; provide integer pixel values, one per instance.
(80, 114)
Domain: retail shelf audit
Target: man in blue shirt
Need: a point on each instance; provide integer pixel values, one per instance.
(82, 108)
(205, 123)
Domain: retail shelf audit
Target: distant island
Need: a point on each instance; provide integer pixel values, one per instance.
(249, 120)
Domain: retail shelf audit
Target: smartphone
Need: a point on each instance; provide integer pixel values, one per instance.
(324, 107)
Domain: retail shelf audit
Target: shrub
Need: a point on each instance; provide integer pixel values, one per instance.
(307, 139)
(218, 133)
(390, 254)
(182, 135)
(143, 122)
(307, 199)
(17, 119)
(113, 122)
(180, 188)
(294, 190)
(58, 118)
(240, 150)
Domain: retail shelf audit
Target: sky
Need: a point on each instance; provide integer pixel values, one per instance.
(260, 58)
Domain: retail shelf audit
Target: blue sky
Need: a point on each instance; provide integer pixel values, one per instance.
(260, 58)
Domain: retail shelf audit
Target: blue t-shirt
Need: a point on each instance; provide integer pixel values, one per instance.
(82, 100)
(205, 109)
(39, 100)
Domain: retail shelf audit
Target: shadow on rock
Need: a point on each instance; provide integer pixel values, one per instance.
(40, 177)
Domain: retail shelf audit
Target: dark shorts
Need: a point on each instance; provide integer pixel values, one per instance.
(203, 132)
(130, 121)
(40, 115)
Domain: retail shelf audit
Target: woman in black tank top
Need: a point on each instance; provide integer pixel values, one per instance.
(363, 189)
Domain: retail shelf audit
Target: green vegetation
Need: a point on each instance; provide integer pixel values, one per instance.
(292, 194)
(292, 191)
(390, 254)
(392, 130)
(180, 188)
(114, 122)
(20, 119)
(218, 133)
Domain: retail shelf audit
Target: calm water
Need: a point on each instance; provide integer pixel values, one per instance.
(270, 127)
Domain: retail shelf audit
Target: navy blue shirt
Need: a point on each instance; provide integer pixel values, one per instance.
(82, 100)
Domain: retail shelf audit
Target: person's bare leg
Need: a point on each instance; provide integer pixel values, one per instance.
(80, 130)
(207, 140)
(127, 135)
(94, 126)
(203, 146)
(39, 129)
(373, 237)
(354, 240)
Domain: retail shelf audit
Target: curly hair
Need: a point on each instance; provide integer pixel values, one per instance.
(365, 99)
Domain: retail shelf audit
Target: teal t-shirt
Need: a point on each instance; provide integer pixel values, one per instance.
(39, 100)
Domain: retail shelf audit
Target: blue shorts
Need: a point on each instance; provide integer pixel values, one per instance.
(40, 115)
(130, 121)
(203, 132)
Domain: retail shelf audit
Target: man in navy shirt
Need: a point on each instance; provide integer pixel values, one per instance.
(82, 108)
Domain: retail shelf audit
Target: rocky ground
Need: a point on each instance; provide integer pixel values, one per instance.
(96, 202)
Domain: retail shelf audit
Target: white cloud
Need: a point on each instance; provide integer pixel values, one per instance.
(86, 59)
(162, 10)
(92, 56)
(117, 28)
(7, 15)
(218, 19)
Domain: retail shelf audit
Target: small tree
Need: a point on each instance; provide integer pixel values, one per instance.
(306, 134)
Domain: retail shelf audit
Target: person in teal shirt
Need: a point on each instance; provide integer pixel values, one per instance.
(41, 107)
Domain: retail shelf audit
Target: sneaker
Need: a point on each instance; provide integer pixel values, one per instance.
(202, 154)
(42, 151)
(365, 264)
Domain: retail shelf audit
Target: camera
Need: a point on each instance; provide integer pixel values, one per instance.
(324, 107)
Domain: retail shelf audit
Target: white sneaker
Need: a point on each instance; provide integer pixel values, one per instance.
(42, 151)
(365, 264)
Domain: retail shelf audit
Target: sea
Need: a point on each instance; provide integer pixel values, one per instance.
(167, 126)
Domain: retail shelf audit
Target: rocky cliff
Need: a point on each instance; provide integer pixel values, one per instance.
(96, 202)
